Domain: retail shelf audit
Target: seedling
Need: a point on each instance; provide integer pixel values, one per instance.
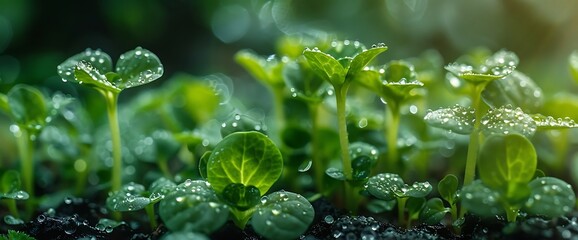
(506, 183)
(240, 170)
(94, 68)
(133, 197)
(394, 84)
(339, 65)
(11, 190)
(389, 186)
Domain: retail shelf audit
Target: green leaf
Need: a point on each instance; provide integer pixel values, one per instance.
(517, 90)
(573, 62)
(241, 123)
(414, 207)
(456, 119)
(98, 59)
(497, 66)
(363, 158)
(15, 235)
(326, 66)
(507, 120)
(11, 186)
(282, 215)
(448, 188)
(268, 71)
(481, 200)
(248, 158)
(380, 206)
(303, 81)
(549, 122)
(4, 103)
(395, 82)
(137, 67)
(203, 164)
(335, 173)
(362, 59)
(86, 73)
(295, 136)
(389, 186)
(433, 212)
(128, 198)
(27, 107)
(506, 161)
(193, 207)
(160, 188)
(550, 197)
(184, 235)
(240, 196)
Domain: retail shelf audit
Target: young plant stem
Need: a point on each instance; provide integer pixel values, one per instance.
(11, 204)
(401, 210)
(318, 163)
(111, 107)
(26, 150)
(474, 145)
(391, 131)
(240, 217)
(340, 95)
(150, 210)
(278, 97)
(164, 167)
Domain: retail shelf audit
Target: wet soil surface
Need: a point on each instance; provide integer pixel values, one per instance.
(76, 218)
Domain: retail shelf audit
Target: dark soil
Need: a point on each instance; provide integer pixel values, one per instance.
(76, 218)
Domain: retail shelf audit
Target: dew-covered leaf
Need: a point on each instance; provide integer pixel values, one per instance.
(335, 174)
(303, 81)
(128, 198)
(448, 188)
(268, 70)
(282, 215)
(137, 67)
(508, 120)
(98, 59)
(573, 62)
(517, 90)
(160, 188)
(27, 106)
(248, 158)
(193, 207)
(433, 212)
(365, 57)
(389, 186)
(506, 161)
(345, 49)
(549, 122)
(86, 73)
(326, 66)
(395, 82)
(457, 119)
(363, 157)
(481, 200)
(11, 186)
(497, 66)
(550, 197)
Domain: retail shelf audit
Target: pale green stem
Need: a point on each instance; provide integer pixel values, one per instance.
(318, 163)
(391, 132)
(401, 210)
(111, 107)
(340, 95)
(150, 210)
(26, 151)
(164, 167)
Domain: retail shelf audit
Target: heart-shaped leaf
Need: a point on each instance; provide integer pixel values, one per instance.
(365, 57)
(96, 58)
(240, 196)
(248, 158)
(282, 215)
(457, 119)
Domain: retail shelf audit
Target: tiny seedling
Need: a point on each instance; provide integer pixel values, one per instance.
(389, 186)
(339, 65)
(507, 184)
(239, 171)
(94, 68)
(11, 190)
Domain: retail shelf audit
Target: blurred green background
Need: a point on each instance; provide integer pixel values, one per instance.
(201, 37)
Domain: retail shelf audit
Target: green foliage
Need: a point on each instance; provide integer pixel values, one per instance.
(10, 186)
(15, 235)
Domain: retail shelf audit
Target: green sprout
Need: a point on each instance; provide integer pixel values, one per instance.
(94, 68)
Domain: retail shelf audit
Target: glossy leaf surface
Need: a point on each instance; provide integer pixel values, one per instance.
(266, 70)
(481, 200)
(27, 106)
(389, 186)
(497, 66)
(550, 197)
(457, 119)
(508, 120)
(11, 186)
(193, 207)
(248, 158)
(282, 215)
(517, 90)
(448, 188)
(128, 198)
(434, 211)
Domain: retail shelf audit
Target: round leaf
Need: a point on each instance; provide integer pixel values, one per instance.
(137, 67)
(128, 198)
(550, 197)
(282, 215)
(517, 90)
(98, 59)
(193, 207)
(448, 188)
(507, 160)
(248, 158)
(266, 70)
(325, 66)
(160, 188)
(27, 106)
(481, 200)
